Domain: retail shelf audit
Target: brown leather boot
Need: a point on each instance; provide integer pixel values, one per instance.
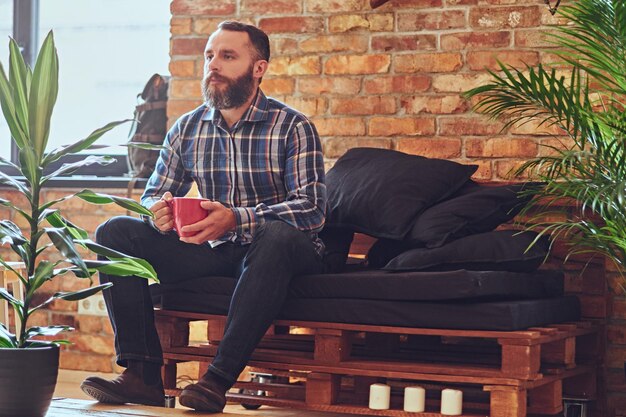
(128, 387)
(208, 395)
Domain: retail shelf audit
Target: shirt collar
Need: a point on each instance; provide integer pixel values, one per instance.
(257, 111)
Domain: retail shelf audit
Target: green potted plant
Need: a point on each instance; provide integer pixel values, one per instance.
(583, 97)
(28, 364)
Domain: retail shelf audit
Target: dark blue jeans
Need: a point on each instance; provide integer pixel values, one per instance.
(263, 271)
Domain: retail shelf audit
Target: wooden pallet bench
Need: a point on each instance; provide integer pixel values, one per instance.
(329, 366)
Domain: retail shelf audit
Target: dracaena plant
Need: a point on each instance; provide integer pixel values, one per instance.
(583, 97)
(27, 98)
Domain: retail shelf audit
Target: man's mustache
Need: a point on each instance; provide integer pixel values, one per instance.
(217, 77)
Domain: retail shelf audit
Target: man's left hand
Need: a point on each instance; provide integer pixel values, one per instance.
(219, 221)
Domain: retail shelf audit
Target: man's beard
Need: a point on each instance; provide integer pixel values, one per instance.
(235, 94)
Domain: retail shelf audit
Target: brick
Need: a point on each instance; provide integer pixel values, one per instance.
(447, 104)
(89, 324)
(371, 22)
(430, 147)
(532, 38)
(180, 26)
(417, 4)
(434, 62)
(205, 25)
(335, 43)
(85, 362)
(505, 170)
(283, 46)
(335, 147)
(439, 20)
(277, 86)
(504, 17)
(484, 171)
(291, 24)
(335, 6)
(188, 46)
(203, 8)
(334, 85)
(102, 345)
(392, 126)
(340, 126)
(404, 43)
(265, 7)
(74, 284)
(468, 40)
(500, 147)
(534, 127)
(458, 83)
(303, 65)
(357, 64)
(456, 126)
(363, 105)
(184, 88)
(183, 68)
(489, 59)
(310, 106)
(63, 319)
(397, 84)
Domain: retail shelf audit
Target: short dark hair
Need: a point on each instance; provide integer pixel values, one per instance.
(258, 38)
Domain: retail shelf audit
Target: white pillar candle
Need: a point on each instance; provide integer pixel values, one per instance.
(414, 399)
(379, 396)
(451, 402)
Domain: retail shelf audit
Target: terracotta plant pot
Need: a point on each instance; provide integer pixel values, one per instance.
(27, 380)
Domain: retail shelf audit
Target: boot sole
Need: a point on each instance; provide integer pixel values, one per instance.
(199, 402)
(102, 395)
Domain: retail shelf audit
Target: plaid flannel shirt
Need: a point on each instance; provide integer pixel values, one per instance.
(268, 166)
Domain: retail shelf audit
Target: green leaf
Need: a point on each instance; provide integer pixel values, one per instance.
(56, 220)
(18, 80)
(8, 297)
(43, 272)
(63, 241)
(128, 265)
(43, 95)
(8, 110)
(67, 169)
(13, 183)
(81, 144)
(144, 145)
(7, 339)
(127, 203)
(72, 296)
(11, 233)
(46, 330)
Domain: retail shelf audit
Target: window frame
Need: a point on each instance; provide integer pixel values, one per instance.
(25, 32)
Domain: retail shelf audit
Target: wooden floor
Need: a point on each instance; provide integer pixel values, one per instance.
(70, 401)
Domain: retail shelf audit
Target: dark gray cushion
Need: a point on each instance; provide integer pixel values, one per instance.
(380, 192)
(473, 209)
(505, 250)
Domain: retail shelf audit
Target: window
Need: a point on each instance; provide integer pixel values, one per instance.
(107, 52)
(6, 30)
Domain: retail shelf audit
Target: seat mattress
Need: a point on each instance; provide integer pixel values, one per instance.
(478, 300)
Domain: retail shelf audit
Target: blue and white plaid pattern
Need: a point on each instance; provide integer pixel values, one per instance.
(268, 166)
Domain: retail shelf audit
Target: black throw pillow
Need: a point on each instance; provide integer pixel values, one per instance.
(473, 209)
(504, 250)
(337, 242)
(380, 192)
(384, 250)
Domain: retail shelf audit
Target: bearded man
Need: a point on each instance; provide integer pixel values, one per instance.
(259, 164)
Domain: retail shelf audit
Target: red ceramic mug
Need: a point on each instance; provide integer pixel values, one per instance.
(185, 211)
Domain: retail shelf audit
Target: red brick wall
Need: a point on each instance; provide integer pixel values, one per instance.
(389, 77)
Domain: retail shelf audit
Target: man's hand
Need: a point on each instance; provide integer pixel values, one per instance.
(163, 219)
(219, 221)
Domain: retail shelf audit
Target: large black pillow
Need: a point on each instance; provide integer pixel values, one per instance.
(380, 192)
(504, 250)
(473, 209)
(337, 242)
